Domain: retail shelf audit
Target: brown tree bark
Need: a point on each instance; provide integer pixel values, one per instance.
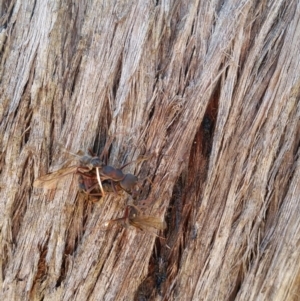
(210, 89)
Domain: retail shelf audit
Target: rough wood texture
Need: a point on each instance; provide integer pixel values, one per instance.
(211, 89)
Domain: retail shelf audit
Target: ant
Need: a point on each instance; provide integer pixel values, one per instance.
(93, 172)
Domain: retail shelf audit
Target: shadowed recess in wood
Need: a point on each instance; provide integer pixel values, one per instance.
(180, 216)
(22, 198)
(104, 122)
(40, 280)
(79, 214)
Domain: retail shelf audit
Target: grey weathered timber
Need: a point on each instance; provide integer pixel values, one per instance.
(209, 90)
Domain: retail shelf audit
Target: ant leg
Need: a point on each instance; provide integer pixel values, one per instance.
(113, 187)
(138, 160)
(84, 173)
(92, 197)
(90, 151)
(88, 191)
(92, 176)
(131, 204)
(124, 220)
(104, 155)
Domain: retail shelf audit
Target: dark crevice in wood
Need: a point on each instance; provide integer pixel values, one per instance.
(27, 130)
(17, 110)
(170, 255)
(103, 143)
(238, 212)
(237, 286)
(2, 160)
(7, 7)
(219, 8)
(82, 210)
(207, 131)
(73, 79)
(99, 142)
(150, 114)
(202, 146)
(113, 35)
(117, 76)
(72, 52)
(52, 114)
(157, 278)
(63, 116)
(63, 271)
(19, 206)
(188, 67)
(32, 10)
(212, 241)
(52, 147)
(41, 274)
(5, 257)
(87, 210)
(165, 261)
(92, 288)
(160, 274)
(193, 181)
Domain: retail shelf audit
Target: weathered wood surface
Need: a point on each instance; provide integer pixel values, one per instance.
(211, 89)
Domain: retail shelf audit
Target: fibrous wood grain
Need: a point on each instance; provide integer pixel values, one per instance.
(209, 89)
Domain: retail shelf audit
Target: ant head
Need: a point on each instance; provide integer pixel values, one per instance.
(96, 162)
(84, 160)
(90, 162)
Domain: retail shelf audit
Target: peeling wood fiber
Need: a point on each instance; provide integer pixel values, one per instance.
(210, 89)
